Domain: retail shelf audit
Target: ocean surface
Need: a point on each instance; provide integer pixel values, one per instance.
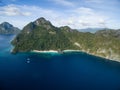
(70, 71)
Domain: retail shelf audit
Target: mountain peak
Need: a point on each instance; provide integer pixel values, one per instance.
(7, 28)
(67, 28)
(6, 25)
(41, 21)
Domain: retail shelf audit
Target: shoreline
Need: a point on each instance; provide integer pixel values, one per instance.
(103, 57)
(45, 51)
(55, 51)
(72, 51)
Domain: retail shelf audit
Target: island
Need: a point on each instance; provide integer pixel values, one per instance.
(7, 28)
(41, 35)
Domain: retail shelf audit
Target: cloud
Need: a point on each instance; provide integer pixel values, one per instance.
(81, 17)
(64, 2)
(16, 14)
(101, 21)
(83, 11)
(13, 10)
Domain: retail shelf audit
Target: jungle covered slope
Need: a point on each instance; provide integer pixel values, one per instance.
(42, 35)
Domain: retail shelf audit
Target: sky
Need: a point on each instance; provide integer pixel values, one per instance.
(77, 14)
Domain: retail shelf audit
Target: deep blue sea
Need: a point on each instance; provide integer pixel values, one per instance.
(71, 71)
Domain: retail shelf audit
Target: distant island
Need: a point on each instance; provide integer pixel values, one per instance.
(7, 28)
(41, 35)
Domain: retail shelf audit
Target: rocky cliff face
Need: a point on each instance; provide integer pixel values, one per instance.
(6, 28)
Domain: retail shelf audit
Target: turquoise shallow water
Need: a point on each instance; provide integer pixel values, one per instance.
(71, 71)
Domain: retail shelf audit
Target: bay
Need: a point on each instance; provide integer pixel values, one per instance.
(71, 71)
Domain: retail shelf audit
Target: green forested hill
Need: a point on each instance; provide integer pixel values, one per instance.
(42, 35)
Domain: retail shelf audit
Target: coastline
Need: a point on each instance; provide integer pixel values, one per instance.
(117, 60)
(55, 51)
(72, 51)
(45, 51)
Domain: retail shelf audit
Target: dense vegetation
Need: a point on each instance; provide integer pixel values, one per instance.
(42, 35)
(6, 28)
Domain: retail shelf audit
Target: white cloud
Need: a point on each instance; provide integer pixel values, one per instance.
(16, 14)
(81, 17)
(102, 21)
(83, 11)
(13, 10)
(64, 2)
